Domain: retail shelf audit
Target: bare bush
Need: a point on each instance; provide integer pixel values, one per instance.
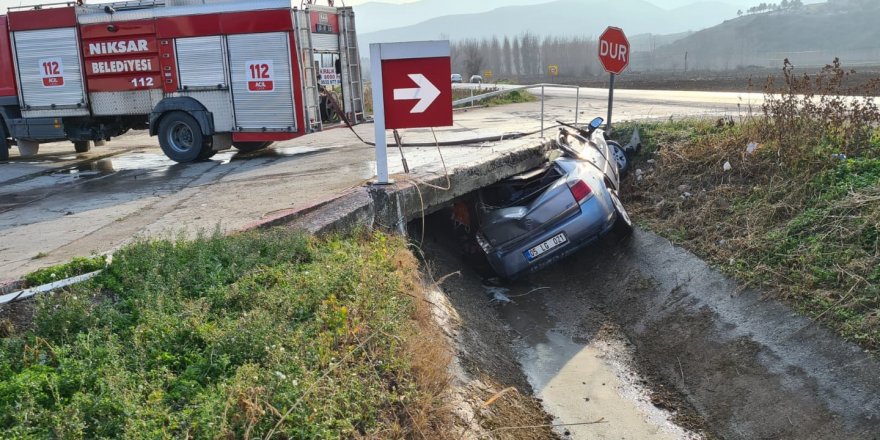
(820, 113)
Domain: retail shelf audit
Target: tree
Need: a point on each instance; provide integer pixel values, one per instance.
(507, 57)
(517, 57)
(472, 57)
(739, 13)
(495, 56)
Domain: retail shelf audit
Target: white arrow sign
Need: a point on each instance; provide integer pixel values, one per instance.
(426, 93)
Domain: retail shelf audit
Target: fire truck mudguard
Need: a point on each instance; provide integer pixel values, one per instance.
(185, 104)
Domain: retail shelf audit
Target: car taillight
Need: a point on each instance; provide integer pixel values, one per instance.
(580, 190)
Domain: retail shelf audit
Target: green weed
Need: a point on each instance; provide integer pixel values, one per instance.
(221, 337)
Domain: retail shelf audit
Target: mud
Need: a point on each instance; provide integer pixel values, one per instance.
(749, 366)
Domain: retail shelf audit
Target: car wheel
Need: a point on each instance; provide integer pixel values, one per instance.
(180, 137)
(250, 147)
(623, 225)
(82, 146)
(620, 157)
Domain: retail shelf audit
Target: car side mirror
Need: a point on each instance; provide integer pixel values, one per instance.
(596, 123)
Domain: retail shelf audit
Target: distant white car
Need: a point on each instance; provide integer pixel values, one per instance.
(456, 78)
(476, 79)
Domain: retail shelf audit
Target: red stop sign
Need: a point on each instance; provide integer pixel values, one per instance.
(614, 50)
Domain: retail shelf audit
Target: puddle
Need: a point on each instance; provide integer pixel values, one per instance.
(586, 384)
(590, 390)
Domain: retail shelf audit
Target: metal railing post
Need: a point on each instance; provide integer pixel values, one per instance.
(542, 111)
(577, 101)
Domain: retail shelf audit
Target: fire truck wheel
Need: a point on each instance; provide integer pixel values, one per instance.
(82, 146)
(181, 137)
(250, 147)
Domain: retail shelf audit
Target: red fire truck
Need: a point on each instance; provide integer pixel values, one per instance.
(202, 75)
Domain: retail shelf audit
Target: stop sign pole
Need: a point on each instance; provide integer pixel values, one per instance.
(614, 54)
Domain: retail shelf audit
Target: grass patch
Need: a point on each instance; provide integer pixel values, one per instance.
(231, 337)
(77, 266)
(788, 217)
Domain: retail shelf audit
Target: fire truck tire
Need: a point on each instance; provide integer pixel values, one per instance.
(82, 146)
(250, 147)
(4, 144)
(180, 137)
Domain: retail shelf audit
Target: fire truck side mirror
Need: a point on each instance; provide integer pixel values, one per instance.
(112, 28)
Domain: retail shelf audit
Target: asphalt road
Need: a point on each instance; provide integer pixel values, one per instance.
(60, 204)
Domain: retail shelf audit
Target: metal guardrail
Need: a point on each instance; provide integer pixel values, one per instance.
(542, 86)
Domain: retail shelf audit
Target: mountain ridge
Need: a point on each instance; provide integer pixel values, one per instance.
(545, 19)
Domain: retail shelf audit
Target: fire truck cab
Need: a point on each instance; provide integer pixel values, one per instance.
(202, 75)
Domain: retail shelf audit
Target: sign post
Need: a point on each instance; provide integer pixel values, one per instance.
(614, 53)
(411, 89)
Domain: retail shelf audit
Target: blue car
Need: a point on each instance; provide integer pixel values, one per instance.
(536, 218)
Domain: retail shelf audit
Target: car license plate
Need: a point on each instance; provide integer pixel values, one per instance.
(537, 251)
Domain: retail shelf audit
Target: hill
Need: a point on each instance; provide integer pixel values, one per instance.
(810, 36)
(377, 16)
(562, 18)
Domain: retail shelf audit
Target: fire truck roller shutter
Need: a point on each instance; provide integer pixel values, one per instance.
(325, 42)
(49, 69)
(203, 73)
(262, 86)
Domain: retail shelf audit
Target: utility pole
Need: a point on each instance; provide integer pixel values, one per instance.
(685, 61)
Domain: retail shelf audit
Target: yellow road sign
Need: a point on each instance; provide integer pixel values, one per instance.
(553, 69)
(487, 74)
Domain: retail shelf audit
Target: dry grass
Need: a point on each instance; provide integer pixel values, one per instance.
(429, 352)
(509, 415)
(803, 228)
